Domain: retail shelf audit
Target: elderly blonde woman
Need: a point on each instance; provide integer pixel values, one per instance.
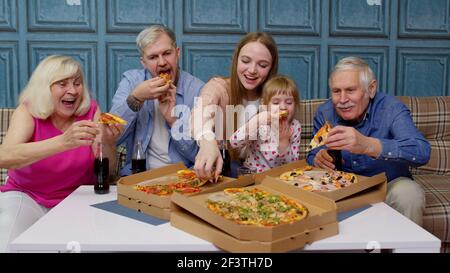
(48, 149)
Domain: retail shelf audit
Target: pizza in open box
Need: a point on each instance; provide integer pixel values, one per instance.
(318, 180)
(184, 182)
(255, 207)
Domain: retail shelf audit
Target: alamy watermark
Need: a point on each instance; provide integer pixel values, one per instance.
(212, 122)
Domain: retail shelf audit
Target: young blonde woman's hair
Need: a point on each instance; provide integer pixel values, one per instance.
(37, 94)
(280, 85)
(236, 88)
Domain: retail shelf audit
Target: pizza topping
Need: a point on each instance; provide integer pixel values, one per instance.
(320, 137)
(167, 77)
(255, 207)
(283, 114)
(318, 180)
(187, 182)
(108, 118)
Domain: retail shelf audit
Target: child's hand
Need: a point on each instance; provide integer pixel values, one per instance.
(285, 130)
(263, 118)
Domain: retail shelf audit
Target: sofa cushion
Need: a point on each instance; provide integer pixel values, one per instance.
(436, 217)
(305, 114)
(432, 117)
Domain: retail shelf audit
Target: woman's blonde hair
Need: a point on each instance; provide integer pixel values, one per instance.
(37, 95)
(280, 85)
(236, 87)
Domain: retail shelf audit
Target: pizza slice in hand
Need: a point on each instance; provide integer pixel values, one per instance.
(108, 118)
(283, 114)
(320, 137)
(166, 77)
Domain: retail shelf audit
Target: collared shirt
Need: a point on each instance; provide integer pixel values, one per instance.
(140, 124)
(388, 120)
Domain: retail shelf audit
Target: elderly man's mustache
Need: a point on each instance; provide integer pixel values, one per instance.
(346, 105)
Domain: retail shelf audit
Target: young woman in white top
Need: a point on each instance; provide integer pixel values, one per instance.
(255, 60)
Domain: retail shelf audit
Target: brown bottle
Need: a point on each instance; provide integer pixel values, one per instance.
(337, 158)
(138, 161)
(226, 169)
(101, 170)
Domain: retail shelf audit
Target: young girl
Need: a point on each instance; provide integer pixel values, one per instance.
(276, 139)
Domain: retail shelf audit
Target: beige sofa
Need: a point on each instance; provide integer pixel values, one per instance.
(432, 117)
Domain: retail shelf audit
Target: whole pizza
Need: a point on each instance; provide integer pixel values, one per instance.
(318, 180)
(255, 207)
(185, 182)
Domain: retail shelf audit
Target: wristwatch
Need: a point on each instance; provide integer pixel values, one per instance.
(134, 103)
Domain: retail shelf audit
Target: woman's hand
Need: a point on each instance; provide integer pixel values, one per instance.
(208, 162)
(80, 133)
(109, 133)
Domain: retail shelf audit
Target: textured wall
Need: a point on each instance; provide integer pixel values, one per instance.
(406, 42)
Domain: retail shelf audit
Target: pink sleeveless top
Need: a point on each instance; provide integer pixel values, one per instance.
(52, 179)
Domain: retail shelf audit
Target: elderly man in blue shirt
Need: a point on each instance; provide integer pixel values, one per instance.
(157, 110)
(375, 133)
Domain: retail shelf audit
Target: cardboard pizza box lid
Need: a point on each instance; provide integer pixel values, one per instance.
(188, 222)
(321, 211)
(368, 196)
(161, 213)
(363, 183)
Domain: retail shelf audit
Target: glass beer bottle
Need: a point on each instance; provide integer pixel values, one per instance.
(138, 161)
(337, 158)
(226, 169)
(101, 170)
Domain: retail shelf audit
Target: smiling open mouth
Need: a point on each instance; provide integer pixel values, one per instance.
(68, 102)
(250, 78)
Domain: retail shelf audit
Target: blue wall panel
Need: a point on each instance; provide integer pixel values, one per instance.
(356, 17)
(56, 15)
(207, 60)
(144, 13)
(301, 63)
(406, 42)
(420, 18)
(8, 74)
(8, 15)
(290, 17)
(423, 72)
(121, 57)
(216, 16)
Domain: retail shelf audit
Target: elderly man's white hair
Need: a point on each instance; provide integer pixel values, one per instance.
(366, 75)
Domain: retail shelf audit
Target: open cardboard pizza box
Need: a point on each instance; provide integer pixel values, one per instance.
(321, 212)
(188, 222)
(367, 190)
(159, 206)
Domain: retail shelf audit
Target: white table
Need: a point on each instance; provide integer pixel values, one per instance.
(75, 226)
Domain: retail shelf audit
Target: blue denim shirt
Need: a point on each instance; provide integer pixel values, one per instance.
(140, 124)
(388, 120)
